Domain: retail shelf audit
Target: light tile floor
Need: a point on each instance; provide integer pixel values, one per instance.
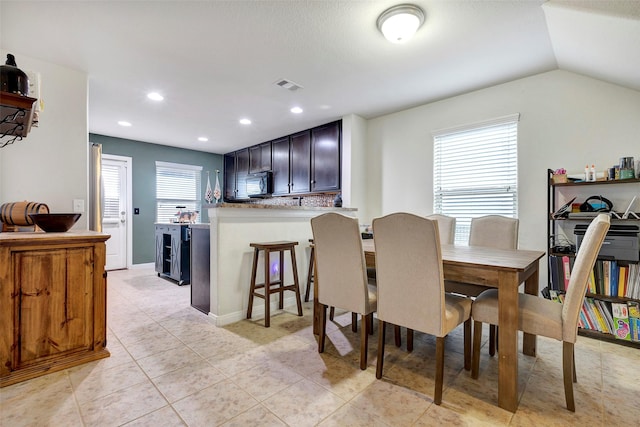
(170, 366)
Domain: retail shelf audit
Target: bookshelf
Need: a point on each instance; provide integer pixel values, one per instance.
(614, 289)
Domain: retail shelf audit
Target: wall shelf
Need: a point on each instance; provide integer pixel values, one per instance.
(16, 117)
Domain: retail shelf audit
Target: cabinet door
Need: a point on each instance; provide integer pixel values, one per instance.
(55, 303)
(159, 248)
(260, 158)
(229, 176)
(280, 165)
(300, 162)
(325, 157)
(242, 171)
(176, 247)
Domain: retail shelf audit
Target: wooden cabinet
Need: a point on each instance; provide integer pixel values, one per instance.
(325, 157)
(53, 299)
(236, 170)
(172, 252)
(302, 163)
(260, 158)
(280, 166)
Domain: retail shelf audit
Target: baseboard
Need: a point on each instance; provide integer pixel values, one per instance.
(257, 312)
(141, 266)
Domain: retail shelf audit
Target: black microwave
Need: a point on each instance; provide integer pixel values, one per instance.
(260, 184)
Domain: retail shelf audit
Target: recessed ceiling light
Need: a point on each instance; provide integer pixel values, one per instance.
(124, 123)
(296, 110)
(155, 96)
(245, 121)
(203, 139)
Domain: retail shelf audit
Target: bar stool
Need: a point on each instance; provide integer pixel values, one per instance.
(277, 286)
(312, 260)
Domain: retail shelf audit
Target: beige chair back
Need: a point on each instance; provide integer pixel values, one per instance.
(409, 272)
(494, 231)
(446, 228)
(585, 260)
(341, 268)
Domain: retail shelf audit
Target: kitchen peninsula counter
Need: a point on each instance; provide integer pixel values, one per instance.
(233, 226)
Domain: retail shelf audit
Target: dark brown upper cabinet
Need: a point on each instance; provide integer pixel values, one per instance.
(236, 170)
(300, 162)
(325, 157)
(260, 158)
(280, 165)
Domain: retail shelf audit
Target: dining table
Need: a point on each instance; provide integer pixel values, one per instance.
(504, 269)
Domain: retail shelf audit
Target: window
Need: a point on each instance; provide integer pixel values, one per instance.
(177, 189)
(111, 190)
(475, 172)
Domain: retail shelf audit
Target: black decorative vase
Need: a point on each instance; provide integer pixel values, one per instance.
(12, 78)
(337, 202)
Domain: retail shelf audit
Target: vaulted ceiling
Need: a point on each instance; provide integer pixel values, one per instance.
(216, 62)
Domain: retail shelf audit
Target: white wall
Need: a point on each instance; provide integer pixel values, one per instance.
(354, 165)
(566, 120)
(50, 165)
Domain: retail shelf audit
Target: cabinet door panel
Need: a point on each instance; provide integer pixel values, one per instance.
(280, 165)
(325, 157)
(242, 171)
(301, 162)
(255, 159)
(55, 303)
(229, 176)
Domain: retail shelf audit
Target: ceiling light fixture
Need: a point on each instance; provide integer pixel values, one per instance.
(203, 139)
(155, 96)
(124, 123)
(296, 110)
(245, 121)
(399, 23)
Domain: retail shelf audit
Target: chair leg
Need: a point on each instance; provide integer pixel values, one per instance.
(493, 340)
(253, 282)
(477, 336)
(364, 340)
(397, 335)
(267, 289)
(332, 311)
(381, 338)
(294, 268)
(370, 324)
(354, 322)
(409, 340)
(310, 274)
(437, 399)
(567, 374)
(575, 378)
(281, 276)
(323, 328)
(467, 344)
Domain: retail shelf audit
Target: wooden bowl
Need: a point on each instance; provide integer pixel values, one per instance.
(55, 222)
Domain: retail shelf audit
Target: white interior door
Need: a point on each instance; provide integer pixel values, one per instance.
(116, 220)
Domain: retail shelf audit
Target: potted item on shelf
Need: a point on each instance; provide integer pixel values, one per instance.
(559, 176)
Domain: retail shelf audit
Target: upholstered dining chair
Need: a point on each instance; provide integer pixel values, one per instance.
(447, 230)
(411, 287)
(548, 318)
(494, 231)
(341, 274)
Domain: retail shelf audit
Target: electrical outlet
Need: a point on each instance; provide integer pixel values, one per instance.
(78, 205)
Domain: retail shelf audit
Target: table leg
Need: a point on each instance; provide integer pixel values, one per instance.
(508, 339)
(531, 288)
(316, 305)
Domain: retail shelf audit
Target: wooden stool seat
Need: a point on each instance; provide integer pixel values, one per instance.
(269, 287)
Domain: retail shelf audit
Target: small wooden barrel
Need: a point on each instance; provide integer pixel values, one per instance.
(17, 213)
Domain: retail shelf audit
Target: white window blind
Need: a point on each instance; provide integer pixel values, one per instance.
(177, 185)
(475, 172)
(111, 187)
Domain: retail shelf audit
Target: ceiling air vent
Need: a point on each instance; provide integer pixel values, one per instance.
(288, 84)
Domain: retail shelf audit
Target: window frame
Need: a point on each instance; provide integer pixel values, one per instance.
(495, 178)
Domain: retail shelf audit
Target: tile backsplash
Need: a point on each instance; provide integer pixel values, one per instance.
(311, 200)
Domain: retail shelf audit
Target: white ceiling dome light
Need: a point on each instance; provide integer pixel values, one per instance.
(399, 23)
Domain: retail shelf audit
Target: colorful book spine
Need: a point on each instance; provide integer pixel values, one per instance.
(634, 319)
(566, 271)
(623, 276)
(621, 321)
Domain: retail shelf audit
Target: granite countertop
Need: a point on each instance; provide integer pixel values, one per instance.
(284, 207)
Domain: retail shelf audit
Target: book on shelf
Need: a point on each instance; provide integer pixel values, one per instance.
(566, 271)
(634, 320)
(621, 321)
(605, 311)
